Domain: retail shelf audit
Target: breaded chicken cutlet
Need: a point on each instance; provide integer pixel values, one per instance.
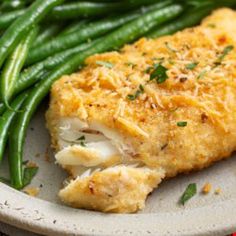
(153, 110)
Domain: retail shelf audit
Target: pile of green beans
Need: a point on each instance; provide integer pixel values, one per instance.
(43, 40)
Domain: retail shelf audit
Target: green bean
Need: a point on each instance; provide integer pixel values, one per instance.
(116, 39)
(93, 30)
(188, 19)
(12, 5)
(77, 10)
(191, 17)
(88, 9)
(29, 77)
(140, 2)
(7, 18)
(34, 73)
(2, 108)
(225, 3)
(14, 64)
(16, 31)
(105, 0)
(207, 3)
(74, 27)
(82, 9)
(6, 120)
(64, 42)
(46, 34)
(60, 57)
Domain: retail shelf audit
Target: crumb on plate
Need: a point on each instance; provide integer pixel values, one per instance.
(218, 191)
(31, 191)
(31, 164)
(206, 188)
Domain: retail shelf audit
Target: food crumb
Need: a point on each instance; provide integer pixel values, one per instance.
(31, 164)
(218, 191)
(31, 191)
(206, 188)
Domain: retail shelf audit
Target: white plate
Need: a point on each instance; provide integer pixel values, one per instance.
(203, 215)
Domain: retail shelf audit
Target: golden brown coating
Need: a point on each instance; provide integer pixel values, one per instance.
(184, 123)
(113, 189)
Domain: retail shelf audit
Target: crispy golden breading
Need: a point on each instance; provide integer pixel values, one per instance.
(182, 124)
(113, 189)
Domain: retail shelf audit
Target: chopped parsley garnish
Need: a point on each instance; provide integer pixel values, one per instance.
(140, 90)
(82, 141)
(170, 48)
(29, 173)
(105, 63)
(189, 192)
(202, 74)
(159, 73)
(225, 52)
(191, 66)
(182, 123)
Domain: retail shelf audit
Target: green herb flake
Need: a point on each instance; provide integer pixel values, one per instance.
(82, 138)
(82, 144)
(202, 74)
(29, 173)
(189, 192)
(159, 73)
(105, 63)
(182, 123)
(191, 66)
(82, 141)
(140, 90)
(225, 52)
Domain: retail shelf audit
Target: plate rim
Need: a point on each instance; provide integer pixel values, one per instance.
(37, 215)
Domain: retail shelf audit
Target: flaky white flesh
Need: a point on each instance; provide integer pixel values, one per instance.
(128, 147)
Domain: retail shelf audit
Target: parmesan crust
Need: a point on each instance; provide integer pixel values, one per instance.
(145, 129)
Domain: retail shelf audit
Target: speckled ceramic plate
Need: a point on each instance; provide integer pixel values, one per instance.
(203, 215)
